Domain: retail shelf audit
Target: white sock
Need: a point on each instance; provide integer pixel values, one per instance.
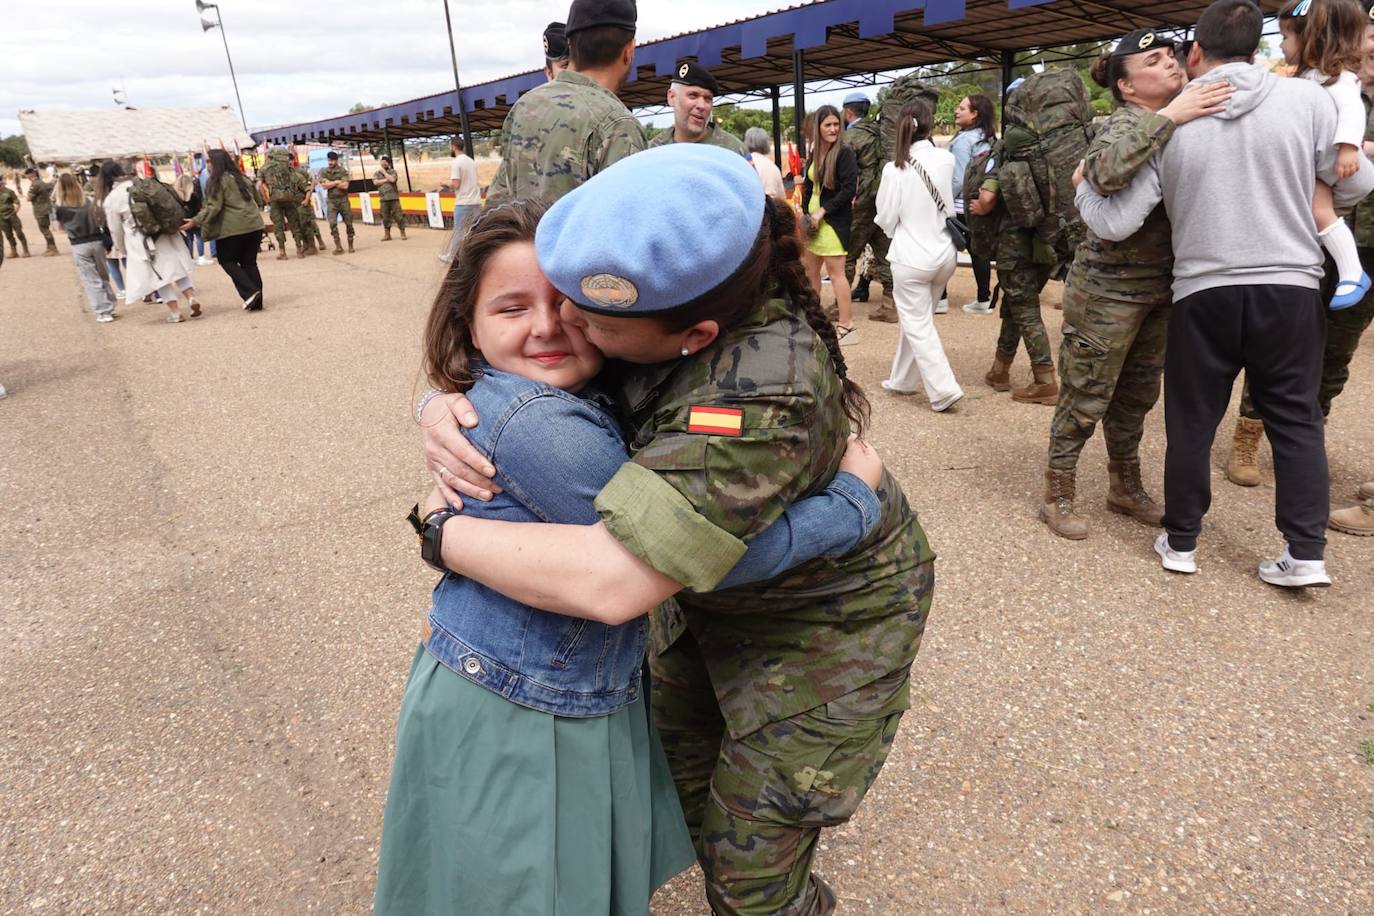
(1339, 242)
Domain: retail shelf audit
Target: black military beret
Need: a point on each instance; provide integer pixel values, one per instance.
(588, 13)
(555, 42)
(332, 155)
(1140, 41)
(1369, 9)
(691, 73)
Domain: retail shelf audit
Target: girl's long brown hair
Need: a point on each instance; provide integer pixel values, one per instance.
(69, 193)
(448, 350)
(825, 155)
(1331, 35)
(915, 123)
(774, 265)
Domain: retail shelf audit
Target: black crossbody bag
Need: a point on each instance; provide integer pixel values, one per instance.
(958, 231)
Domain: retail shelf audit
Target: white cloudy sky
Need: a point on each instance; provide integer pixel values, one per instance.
(295, 60)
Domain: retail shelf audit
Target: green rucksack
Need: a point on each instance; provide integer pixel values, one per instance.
(1047, 126)
(982, 230)
(284, 184)
(905, 89)
(155, 208)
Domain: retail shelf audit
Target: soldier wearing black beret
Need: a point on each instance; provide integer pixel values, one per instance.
(555, 49)
(691, 95)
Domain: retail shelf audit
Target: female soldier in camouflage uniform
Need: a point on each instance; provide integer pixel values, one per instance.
(777, 703)
(1117, 296)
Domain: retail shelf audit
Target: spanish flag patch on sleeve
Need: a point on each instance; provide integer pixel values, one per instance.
(716, 421)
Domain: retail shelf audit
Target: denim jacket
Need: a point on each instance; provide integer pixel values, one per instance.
(553, 452)
(965, 145)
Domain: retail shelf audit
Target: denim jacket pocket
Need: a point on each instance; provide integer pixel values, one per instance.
(567, 647)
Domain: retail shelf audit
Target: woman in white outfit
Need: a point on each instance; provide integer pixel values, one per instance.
(922, 255)
(160, 265)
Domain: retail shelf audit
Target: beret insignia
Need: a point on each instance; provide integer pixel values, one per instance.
(1371, 14)
(546, 46)
(683, 71)
(1146, 40)
(610, 291)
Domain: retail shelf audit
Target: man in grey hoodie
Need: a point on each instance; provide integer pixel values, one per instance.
(1246, 284)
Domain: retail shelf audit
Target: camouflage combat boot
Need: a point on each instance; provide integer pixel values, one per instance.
(1057, 510)
(25, 243)
(281, 253)
(1357, 520)
(1043, 390)
(52, 250)
(386, 234)
(1127, 495)
(885, 311)
(1242, 468)
(1367, 491)
(338, 246)
(14, 252)
(999, 376)
(350, 244)
(859, 292)
(300, 251)
(402, 227)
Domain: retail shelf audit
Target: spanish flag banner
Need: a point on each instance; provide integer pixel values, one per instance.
(715, 421)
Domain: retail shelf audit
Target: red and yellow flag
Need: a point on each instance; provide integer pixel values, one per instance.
(715, 421)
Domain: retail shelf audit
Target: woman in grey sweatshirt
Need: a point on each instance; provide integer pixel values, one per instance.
(75, 211)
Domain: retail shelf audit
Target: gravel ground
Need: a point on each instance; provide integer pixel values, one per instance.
(210, 599)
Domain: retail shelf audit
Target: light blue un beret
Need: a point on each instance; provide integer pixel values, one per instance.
(653, 232)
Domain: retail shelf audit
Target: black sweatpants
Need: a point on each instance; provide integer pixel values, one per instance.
(1277, 335)
(238, 255)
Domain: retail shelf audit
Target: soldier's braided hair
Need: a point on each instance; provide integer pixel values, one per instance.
(786, 269)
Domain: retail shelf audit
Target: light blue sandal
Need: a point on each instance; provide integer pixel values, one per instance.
(1349, 293)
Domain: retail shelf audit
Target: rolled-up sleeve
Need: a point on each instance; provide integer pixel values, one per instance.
(656, 523)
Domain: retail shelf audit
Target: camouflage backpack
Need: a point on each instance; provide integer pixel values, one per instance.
(155, 208)
(982, 230)
(905, 89)
(1047, 126)
(284, 184)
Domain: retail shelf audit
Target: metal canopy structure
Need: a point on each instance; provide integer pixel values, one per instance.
(839, 42)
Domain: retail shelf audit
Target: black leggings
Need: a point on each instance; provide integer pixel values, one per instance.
(238, 255)
(982, 273)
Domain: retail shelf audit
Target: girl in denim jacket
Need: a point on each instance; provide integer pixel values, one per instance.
(528, 778)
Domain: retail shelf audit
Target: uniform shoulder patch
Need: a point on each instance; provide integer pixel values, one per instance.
(715, 421)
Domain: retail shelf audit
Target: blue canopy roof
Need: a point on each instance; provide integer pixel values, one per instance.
(842, 40)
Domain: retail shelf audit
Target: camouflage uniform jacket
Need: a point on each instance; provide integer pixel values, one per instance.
(715, 136)
(40, 195)
(1364, 213)
(688, 500)
(560, 134)
(1140, 268)
(9, 203)
(390, 190)
(307, 184)
(278, 174)
(337, 196)
(1015, 246)
(866, 140)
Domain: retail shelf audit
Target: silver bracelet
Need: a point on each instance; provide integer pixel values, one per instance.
(425, 398)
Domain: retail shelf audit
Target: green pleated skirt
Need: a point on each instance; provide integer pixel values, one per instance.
(497, 808)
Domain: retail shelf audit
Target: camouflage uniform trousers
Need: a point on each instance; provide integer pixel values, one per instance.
(392, 215)
(44, 220)
(335, 210)
(1111, 362)
(866, 232)
(310, 227)
(1344, 329)
(755, 805)
(284, 215)
(12, 229)
(1021, 283)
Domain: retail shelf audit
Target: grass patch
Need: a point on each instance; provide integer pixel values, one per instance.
(1367, 749)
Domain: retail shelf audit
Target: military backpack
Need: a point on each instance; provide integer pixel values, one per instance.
(906, 89)
(284, 184)
(155, 208)
(1047, 126)
(982, 230)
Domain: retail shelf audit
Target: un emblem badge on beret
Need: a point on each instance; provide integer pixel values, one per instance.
(1146, 40)
(609, 291)
(683, 71)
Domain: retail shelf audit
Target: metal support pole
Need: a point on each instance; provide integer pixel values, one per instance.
(409, 187)
(234, 78)
(799, 97)
(1008, 66)
(777, 126)
(458, 85)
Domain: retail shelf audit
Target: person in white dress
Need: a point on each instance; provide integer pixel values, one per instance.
(161, 265)
(914, 199)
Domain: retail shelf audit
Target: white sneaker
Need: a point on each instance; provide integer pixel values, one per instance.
(888, 386)
(942, 307)
(1287, 572)
(105, 318)
(1179, 561)
(980, 307)
(203, 261)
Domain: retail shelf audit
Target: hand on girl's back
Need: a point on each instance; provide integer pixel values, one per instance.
(863, 462)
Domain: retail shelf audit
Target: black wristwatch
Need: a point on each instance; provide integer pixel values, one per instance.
(431, 532)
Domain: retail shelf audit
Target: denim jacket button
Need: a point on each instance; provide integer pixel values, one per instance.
(472, 666)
